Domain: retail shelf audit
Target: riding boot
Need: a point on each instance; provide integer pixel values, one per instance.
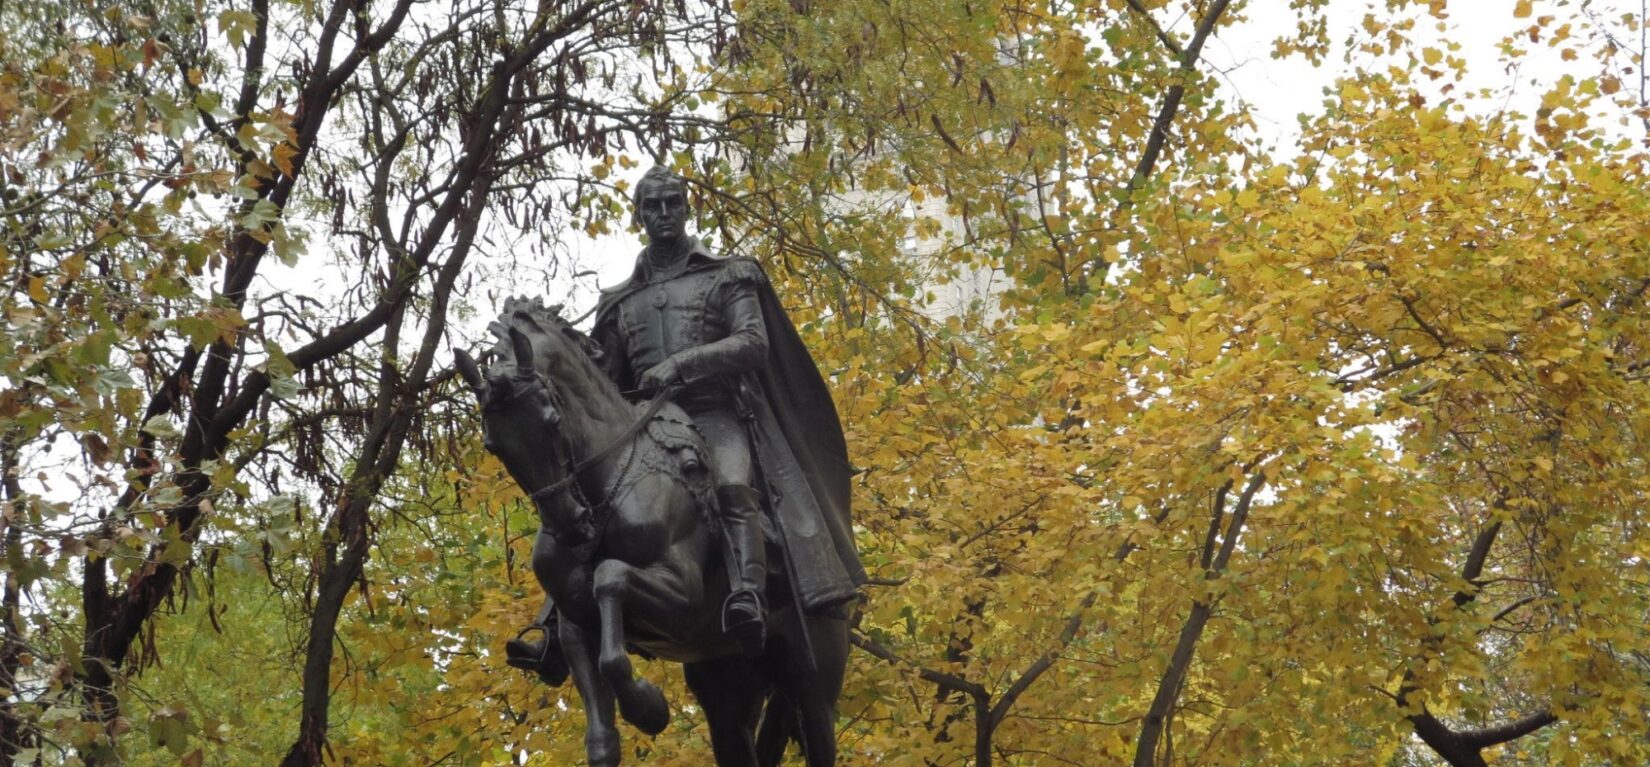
(745, 555)
(542, 656)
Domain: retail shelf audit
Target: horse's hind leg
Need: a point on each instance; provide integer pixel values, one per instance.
(779, 722)
(640, 702)
(818, 730)
(730, 691)
(815, 689)
(601, 737)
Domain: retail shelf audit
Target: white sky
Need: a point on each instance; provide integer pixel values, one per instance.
(1281, 89)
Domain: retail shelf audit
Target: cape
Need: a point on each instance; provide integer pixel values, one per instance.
(798, 445)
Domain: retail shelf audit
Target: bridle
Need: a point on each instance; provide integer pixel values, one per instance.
(600, 512)
(591, 516)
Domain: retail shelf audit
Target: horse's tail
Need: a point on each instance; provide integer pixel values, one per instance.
(777, 729)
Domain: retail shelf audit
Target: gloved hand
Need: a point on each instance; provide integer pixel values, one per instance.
(661, 375)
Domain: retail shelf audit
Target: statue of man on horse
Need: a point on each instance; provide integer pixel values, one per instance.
(704, 338)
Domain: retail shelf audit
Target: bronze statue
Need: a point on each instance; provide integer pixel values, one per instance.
(738, 446)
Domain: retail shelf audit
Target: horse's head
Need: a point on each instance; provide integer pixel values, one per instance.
(520, 416)
(552, 335)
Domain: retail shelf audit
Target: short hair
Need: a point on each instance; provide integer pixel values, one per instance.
(657, 174)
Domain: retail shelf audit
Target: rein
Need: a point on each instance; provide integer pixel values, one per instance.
(653, 407)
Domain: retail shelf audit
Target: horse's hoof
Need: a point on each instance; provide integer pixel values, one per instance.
(645, 707)
(602, 748)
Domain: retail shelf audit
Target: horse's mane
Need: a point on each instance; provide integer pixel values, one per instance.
(562, 354)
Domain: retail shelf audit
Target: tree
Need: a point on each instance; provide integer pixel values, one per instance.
(165, 164)
(1232, 474)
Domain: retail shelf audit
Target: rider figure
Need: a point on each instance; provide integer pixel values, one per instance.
(695, 329)
(703, 328)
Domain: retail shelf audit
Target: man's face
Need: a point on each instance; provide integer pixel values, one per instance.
(663, 210)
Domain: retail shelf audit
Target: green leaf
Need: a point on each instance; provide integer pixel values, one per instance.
(236, 25)
(166, 495)
(263, 212)
(111, 380)
(160, 427)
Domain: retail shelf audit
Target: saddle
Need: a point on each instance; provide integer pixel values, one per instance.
(672, 430)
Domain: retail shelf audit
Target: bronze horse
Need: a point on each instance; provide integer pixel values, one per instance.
(626, 550)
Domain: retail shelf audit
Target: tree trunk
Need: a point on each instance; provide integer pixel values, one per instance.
(1154, 726)
(15, 734)
(1465, 748)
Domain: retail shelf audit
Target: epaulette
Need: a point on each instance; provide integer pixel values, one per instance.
(741, 269)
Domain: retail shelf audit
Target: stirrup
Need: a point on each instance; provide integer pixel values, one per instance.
(743, 619)
(542, 657)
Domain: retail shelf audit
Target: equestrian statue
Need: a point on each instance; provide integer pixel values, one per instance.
(706, 523)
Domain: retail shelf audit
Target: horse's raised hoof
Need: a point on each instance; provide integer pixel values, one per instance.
(645, 707)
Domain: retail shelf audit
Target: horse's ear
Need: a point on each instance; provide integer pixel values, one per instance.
(471, 373)
(524, 351)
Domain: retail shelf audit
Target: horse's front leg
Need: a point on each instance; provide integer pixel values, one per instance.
(601, 733)
(640, 702)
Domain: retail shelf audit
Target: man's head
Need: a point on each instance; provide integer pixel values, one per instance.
(661, 204)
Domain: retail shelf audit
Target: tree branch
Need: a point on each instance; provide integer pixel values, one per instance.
(1162, 34)
(1495, 736)
(1043, 663)
(1155, 725)
(1171, 103)
(947, 681)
